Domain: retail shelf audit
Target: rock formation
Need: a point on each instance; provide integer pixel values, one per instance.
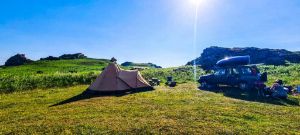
(17, 60)
(211, 55)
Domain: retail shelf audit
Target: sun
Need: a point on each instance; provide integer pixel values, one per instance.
(196, 2)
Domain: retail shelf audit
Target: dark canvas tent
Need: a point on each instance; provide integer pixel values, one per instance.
(115, 79)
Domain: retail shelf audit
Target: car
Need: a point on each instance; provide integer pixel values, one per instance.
(244, 76)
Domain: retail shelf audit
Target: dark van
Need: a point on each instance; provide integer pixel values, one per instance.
(243, 76)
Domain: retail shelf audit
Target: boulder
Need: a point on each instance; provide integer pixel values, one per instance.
(150, 65)
(66, 57)
(17, 60)
(72, 56)
(50, 58)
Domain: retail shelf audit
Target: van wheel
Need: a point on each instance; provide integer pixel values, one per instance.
(243, 86)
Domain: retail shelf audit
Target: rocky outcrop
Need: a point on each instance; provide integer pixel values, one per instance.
(72, 56)
(50, 58)
(211, 55)
(131, 64)
(66, 57)
(17, 60)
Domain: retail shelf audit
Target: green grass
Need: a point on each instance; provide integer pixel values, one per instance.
(60, 73)
(180, 74)
(58, 66)
(179, 110)
(290, 74)
(64, 73)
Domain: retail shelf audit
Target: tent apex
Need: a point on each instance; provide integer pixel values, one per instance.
(113, 59)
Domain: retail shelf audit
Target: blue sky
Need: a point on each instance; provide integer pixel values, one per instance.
(158, 31)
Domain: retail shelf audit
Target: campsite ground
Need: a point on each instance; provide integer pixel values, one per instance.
(182, 109)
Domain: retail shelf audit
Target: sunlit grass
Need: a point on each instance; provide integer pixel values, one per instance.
(179, 110)
(64, 73)
(290, 74)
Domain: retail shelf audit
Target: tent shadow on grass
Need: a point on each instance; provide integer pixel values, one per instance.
(87, 95)
(252, 96)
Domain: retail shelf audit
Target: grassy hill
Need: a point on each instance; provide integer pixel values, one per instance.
(57, 66)
(179, 110)
(48, 74)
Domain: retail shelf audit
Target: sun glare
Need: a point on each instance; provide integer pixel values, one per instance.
(196, 2)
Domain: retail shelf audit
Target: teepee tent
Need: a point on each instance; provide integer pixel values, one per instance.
(115, 79)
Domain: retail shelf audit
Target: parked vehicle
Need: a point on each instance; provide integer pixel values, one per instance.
(243, 76)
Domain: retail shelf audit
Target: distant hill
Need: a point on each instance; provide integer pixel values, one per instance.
(131, 64)
(211, 55)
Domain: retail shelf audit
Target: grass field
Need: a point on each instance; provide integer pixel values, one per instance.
(290, 74)
(179, 110)
(65, 73)
(49, 74)
(57, 66)
(54, 103)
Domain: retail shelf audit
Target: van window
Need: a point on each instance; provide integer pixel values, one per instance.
(246, 71)
(254, 70)
(220, 72)
(229, 71)
(235, 71)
